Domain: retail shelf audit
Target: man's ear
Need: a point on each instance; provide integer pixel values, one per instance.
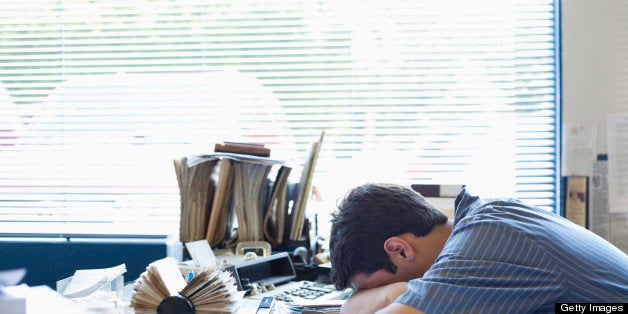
(398, 248)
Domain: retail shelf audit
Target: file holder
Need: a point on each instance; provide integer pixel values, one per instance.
(177, 304)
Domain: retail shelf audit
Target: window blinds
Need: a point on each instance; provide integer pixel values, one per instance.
(98, 97)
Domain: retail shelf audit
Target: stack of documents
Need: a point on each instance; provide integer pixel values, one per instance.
(86, 281)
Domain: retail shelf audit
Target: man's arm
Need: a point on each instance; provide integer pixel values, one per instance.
(372, 300)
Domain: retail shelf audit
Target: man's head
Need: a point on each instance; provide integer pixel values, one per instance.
(376, 224)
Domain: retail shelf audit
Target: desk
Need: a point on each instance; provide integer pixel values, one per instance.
(44, 300)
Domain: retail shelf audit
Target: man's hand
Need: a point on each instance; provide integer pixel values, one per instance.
(372, 300)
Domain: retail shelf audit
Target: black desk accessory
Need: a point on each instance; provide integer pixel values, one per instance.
(176, 305)
(268, 270)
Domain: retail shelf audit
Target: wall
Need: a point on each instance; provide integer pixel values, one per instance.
(594, 62)
(595, 82)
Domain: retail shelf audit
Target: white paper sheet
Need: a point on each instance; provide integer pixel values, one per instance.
(201, 253)
(579, 149)
(599, 217)
(85, 281)
(619, 231)
(611, 226)
(617, 132)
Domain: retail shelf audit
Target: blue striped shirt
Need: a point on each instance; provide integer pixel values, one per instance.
(507, 257)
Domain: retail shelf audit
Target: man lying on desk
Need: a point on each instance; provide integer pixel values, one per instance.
(496, 256)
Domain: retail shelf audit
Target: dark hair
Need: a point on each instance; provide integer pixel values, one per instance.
(366, 217)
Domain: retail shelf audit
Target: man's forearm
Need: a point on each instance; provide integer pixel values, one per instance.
(372, 300)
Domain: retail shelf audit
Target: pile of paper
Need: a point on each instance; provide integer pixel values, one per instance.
(10, 303)
(86, 281)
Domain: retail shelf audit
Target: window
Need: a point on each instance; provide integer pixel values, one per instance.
(98, 97)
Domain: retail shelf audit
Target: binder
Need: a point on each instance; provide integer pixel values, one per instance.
(576, 199)
(304, 188)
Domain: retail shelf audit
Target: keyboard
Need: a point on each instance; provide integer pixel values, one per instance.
(301, 292)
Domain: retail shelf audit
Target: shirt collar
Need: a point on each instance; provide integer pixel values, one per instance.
(464, 203)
